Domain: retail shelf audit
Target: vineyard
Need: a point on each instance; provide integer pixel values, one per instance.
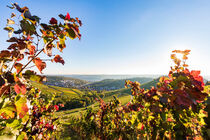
(175, 106)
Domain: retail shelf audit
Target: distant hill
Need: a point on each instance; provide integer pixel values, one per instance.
(75, 98)
(62, 81)
(70, 97)
(148, 85)
(112, 84)
(99, 77)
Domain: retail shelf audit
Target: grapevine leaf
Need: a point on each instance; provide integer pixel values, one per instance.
(28, 15)
(76, 31)
(67, 16)
(61, 16)
(18, 67)
(22, 136)
(44, 26)
(5, 53)
(8, 111)
(13, 39)
(11, 7)
(20, 88)
(39, 64)
(79, 21)
(29, 74)
(58, 59)
(53, 21)
(10, 77)
(31, 49)
(61, 44)
(9, 22)
(15, 124)
(28, 28)
(71, 34)
(2, 81)
(13, 15)
(9, 28)
(21, 106)
(10, 31)
(48, 49)
(18, 7)
(37, 19)
(18, 31)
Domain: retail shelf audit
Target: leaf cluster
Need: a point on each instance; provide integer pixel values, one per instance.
(174, 109)
(25, 113)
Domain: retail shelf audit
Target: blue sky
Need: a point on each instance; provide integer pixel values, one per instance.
(126, 36)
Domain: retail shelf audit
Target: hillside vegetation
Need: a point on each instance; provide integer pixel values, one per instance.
(63, 81)
(112, 84)
(70, 97)
(76, 98)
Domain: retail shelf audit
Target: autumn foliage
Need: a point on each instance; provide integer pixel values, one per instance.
(24, 112)
(174, 109)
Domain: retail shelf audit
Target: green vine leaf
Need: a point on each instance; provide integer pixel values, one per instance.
(21, 106)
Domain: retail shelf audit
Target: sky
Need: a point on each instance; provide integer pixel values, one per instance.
(126, 36)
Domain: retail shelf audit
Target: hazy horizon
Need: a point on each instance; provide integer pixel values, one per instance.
(114, 76)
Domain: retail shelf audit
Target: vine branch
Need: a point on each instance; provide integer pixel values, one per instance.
(35, 57)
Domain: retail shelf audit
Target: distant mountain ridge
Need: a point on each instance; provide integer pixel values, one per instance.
(113, 84)
(105, 84)
(99, 77)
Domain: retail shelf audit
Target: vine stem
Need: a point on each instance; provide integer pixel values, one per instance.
(30, 61)
(38, 53)
(34, 57)
(5, 90)
(13, 64)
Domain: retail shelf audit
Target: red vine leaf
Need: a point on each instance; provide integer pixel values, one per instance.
(5, 53)
(58, 59)
(5, 89)
(39, 64)
(18, 67)
(53, 21)
(79, 21)
(61, 45)
(13, 39)
(67, 16)
(20, 88)
(21, 56)
(56, 107)
(48, 49)
(31, 49)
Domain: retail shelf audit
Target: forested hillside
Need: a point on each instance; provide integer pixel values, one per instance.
(112, 84)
